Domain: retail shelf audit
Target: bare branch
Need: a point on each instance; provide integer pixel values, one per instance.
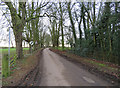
(40, 7)
(44, 15)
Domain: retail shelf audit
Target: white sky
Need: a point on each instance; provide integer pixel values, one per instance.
(5, 33)
(4, 38)
(4, 27)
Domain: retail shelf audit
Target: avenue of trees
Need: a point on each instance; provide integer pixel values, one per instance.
(90, 28)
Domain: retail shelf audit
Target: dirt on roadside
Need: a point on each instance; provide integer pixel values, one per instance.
(102, 72)
(25, 72)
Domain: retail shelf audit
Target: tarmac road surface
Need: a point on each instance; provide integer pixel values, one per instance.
(57, 71)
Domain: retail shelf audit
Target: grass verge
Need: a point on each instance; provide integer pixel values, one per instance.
(23, 67)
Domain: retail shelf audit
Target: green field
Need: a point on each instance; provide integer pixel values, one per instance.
(12, 51)
(60, 48)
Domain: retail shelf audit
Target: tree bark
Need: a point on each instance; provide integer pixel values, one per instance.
(58, 35)
(61, 23)
(84, 20)
(18, 40)
(80, 32)
(72, 23)
(18, 26)
(94, 20)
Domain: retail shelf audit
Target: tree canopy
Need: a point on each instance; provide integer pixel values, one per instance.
(90, 28)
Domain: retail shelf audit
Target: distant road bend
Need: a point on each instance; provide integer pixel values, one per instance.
(57, 71)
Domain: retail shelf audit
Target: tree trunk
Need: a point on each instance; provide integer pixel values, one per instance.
(30, 48)
(62, 37)
(18, 40)
(58, 36)
(84, 24)
(18, 26)
(61, 23)
(80, 32)
(72, 23)
(94, 20)
(84, 20)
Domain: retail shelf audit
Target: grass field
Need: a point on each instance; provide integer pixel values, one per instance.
(12, 51)
(60, 48)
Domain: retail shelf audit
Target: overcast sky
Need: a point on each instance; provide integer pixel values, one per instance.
(4, 25)
(4, 38)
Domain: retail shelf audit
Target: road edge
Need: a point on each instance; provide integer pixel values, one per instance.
(92, 70)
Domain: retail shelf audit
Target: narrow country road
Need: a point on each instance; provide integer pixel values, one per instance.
(57, 71)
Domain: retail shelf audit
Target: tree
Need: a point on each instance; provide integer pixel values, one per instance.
(19, 21)
(78, 18)
(47, 40)
(71, 20)
(61, 24)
